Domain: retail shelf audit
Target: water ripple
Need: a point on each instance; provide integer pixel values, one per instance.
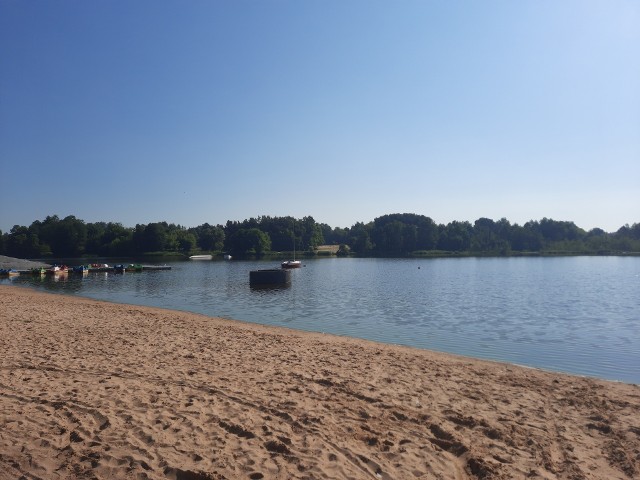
(573, 314)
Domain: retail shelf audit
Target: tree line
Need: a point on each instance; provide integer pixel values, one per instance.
(400, 234)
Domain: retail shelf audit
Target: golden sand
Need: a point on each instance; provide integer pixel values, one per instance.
(90, 389)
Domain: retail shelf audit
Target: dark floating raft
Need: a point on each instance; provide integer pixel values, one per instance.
(269, 277)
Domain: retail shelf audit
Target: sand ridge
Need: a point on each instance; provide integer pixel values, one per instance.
(92, 389)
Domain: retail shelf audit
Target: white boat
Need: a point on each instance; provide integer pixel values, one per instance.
(292, 264)
(57, 270)
(227, 257)
(200, 257)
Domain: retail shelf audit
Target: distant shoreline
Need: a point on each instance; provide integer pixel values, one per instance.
(396, 235)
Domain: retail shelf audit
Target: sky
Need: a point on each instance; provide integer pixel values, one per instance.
(206, 111)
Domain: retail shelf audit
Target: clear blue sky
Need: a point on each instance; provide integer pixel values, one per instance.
(207, 111)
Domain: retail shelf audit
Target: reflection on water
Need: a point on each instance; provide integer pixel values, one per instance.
(576, 314)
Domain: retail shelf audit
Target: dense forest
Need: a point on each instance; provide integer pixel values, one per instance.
(397, 235)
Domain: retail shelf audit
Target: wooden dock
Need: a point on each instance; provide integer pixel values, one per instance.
(105, 269)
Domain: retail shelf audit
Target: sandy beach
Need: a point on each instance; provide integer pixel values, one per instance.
(90, 389)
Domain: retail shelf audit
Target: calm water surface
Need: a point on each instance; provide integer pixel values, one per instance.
(573, 314)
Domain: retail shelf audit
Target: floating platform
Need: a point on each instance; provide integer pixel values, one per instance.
(269, 277)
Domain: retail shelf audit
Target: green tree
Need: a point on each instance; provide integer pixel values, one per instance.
(402, 233)
(388, 238)
(22, 244)
(427, 233)
(95, 236)
(489, 236)
(335, 236)
(66, 237)
(186, 241)
(311, 233)
(154, 237)
(360, 238)
(281, 231)
(627, 238)
(455, 237)
(117, 240)
(557, 231)
(249, 241)
(343, 250)
(172, 243)
(526, 238)
(209, 238)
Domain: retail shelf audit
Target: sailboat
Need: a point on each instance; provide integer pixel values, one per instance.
(292, 263)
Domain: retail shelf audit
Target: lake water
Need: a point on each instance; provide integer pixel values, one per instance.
(572, 314)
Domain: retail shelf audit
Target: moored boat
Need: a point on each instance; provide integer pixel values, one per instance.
(134, 267)
(201, 257)
(291, 264)
(57, 270)
(100, 267)
(119, 268)
(81, 269)
(38, 271)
